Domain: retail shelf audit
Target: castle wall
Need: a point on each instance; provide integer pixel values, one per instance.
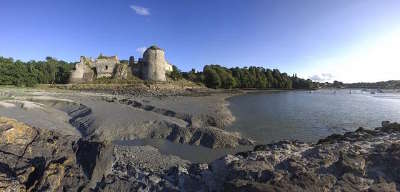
(137, 69)
(105, 67)
(82, 72)
(121, 71)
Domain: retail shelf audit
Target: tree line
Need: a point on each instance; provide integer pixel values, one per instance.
(18, 73)
(216, 76)
(393, 84)
(53, 71)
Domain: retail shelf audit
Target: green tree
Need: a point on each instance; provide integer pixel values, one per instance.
(33, 72)
(51, 69)
(175, 74)
(211, 78)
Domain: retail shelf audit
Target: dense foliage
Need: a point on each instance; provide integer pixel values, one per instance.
(378, 85)
(215, 76)
(175, 74)
(20, 73)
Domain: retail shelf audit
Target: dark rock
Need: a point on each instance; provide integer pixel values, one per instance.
(383, 186)
(349, 163)
(86, 155)
(389, 127)
(37, 159)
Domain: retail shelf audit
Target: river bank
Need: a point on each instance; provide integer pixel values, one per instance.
(35, 159)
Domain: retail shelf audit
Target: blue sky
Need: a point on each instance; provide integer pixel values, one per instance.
(347, 40)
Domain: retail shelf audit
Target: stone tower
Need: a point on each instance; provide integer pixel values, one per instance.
(154, 64)
(131, 60)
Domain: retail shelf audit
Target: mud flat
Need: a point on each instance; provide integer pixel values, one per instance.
(194, 123)
(18, 104)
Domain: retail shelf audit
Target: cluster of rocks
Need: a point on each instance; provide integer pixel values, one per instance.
(364, 160)
(199, 130)
(141, 89)
(35, 159)
(153, 91)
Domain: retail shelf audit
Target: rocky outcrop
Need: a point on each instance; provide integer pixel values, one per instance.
(140, 168)
(364, 160)
(33, 159)
(140, 90)
(81, 119)
(198, 130)
(210, 137)
(40, 160)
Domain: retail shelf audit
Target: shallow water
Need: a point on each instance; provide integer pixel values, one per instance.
(195, 154)
(308, 116)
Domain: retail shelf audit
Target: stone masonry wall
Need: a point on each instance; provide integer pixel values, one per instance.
(154, 64)
(105, 67)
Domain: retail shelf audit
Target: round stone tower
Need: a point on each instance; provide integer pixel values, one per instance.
(154, 64)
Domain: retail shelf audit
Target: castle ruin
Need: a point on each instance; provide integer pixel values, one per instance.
(153, 66)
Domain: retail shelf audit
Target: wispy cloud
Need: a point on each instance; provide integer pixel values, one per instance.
(140, 10)
(141, 50)
(324, 77)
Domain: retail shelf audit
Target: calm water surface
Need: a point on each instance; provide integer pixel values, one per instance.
(195, 154)
(308, 116)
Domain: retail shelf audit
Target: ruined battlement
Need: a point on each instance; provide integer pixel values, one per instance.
(152, 67)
